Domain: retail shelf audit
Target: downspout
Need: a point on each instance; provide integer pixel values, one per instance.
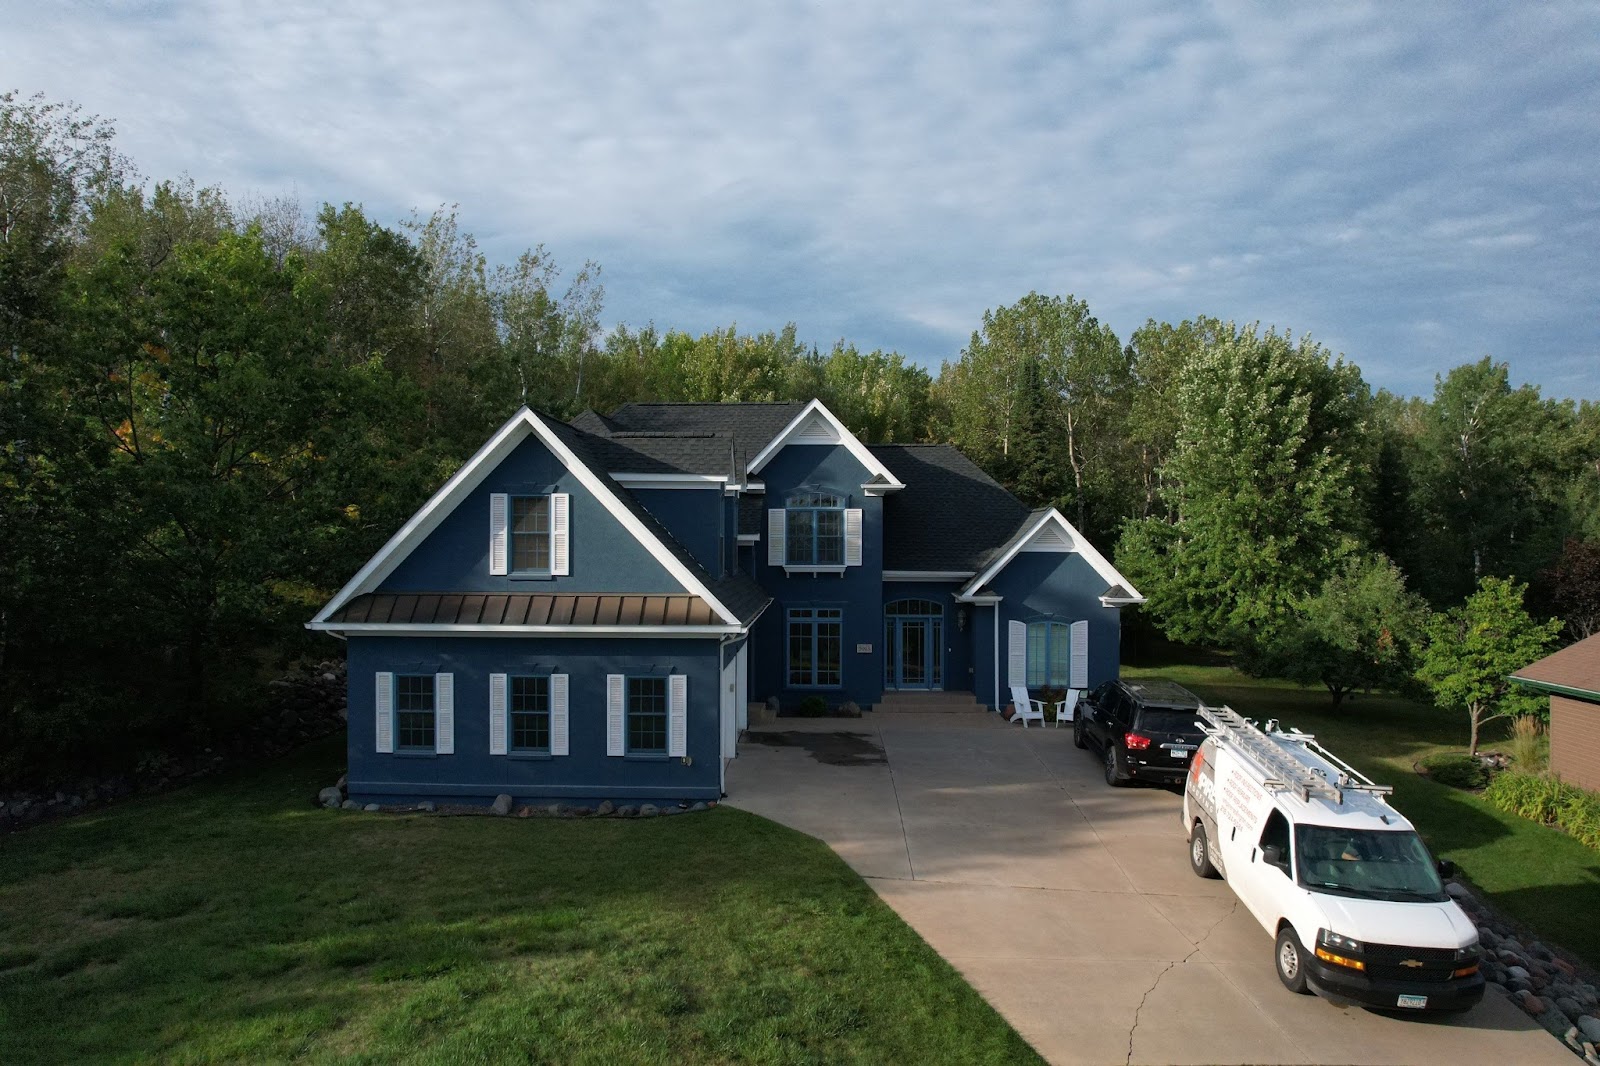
(996, 627)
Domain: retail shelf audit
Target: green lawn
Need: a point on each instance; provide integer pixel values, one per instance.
(231, 921)
(1539, 876)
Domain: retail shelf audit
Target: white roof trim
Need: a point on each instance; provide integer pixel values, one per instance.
(926, 575)
(749, 538)
(516, 429)
(422, 629)
(846, 438)
(668, 481)
(1080, 546)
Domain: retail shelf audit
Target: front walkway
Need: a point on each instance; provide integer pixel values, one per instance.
(1070, 905)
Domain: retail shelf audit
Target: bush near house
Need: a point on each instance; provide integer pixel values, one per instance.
(1549, 801)
(1456, 770)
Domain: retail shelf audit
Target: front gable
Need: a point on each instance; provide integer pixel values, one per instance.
(603, 556)
(455, 543)
(1048, 532)
(816, 426)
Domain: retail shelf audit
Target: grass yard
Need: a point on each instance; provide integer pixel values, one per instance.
(1539, 876)
(232, 921)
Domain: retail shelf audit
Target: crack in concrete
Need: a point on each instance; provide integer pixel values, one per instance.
(1198, 944)
(899, 811)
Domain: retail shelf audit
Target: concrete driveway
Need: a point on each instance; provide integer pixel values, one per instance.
(1070, 905)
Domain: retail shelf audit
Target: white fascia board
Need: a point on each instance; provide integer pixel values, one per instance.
(1119, 601)
(926, 575)
(847, 439)
(471, 475)
(418, 630)
(669, 481)
(749, 538)
(1080, 546)
(980, 601)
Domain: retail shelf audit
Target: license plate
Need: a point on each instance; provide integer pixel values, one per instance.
(1178, 753)
(1413, 1001)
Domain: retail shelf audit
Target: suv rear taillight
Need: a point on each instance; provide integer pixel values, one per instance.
(1135, 742)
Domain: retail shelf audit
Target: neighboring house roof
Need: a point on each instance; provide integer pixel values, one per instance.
(951, 516)
(521, 610)
(579, 452)
(1572, 671)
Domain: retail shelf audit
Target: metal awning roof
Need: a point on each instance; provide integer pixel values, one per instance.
(525, 609)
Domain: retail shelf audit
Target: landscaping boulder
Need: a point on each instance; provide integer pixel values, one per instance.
(350, 805)
(369, 808)
(648, 810)
(427, 806)
(627, 810)
(606, 807)
(1589, 1026)
(501, 805)
(330, 797)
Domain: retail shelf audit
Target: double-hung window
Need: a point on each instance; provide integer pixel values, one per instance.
(1049, 655)
(530, 714)
(414, 712)
(530, 534)
(816, 639)
(814, 529)
(647, 716)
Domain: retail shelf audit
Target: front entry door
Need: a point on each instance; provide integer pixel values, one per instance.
(913, 637)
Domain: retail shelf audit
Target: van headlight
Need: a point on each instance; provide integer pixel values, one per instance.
(1339, 950)
(1337, 941)
(1469, 953)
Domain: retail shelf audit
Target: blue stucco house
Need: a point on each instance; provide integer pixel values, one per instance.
(585, 610)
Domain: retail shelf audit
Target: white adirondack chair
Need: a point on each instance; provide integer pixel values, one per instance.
(1026, 707)
(1067, 709)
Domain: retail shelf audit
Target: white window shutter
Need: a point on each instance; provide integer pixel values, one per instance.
(385, 722)
(614, 687)
(560, 534)
(497, 714)
(1080, 655)
(852, 536)
(1017, 660)
(558, 714)
(677, 716)
(444, 714)
(499, 533)
(775, 534)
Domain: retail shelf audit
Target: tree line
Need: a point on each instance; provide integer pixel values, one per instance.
(214, 411)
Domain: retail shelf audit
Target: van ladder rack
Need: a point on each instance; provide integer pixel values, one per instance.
(1266, 749)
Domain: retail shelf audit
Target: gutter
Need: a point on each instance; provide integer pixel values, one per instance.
(1586, 695)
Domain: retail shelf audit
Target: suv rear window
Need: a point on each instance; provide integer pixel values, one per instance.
(1169, 720)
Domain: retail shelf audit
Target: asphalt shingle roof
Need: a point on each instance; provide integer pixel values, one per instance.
(752, 425)
(950, 516)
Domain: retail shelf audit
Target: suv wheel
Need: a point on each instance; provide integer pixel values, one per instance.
(1078, 740)
(1114, 776)
(1199, 853)
(1290, 957)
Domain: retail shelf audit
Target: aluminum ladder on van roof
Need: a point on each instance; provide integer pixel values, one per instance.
(1290, 773)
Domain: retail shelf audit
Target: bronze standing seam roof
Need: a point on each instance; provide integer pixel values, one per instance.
(526, 608)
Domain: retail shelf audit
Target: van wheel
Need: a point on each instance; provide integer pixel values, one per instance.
(1291, 961)
(1114, 777)
(1199, 854)
(1078, 740)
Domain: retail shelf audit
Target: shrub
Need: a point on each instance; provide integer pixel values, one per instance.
(813, 707)
(1456, 770)
(1529, 752)
(1548, 800)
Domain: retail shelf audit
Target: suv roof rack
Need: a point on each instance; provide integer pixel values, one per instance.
(1267, 749)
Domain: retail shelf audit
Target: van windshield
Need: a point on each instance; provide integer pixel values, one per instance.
(1389, 865)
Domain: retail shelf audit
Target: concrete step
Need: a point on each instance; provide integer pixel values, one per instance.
(928, 703)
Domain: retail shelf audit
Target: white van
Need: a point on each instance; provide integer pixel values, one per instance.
(1332, 871)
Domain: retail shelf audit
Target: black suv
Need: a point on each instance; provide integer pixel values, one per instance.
(1143, 729)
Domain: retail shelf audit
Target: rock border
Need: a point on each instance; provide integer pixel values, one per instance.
(1554, 989)
(336, 797)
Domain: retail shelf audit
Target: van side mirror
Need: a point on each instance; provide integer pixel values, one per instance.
(1272, 855)
(1447, 869)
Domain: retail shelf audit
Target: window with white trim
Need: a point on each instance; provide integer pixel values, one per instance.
(530, 534)
(530, 714)
(414, 712)
(814, 529)
(1049, 655)
(816, 647)
(647, 715)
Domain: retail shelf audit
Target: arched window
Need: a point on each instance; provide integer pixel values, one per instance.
(814, 529)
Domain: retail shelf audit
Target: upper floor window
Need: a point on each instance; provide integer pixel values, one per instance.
(814, 529)
(530, 534)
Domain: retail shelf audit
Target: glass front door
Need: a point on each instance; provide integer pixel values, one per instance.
(913, 639)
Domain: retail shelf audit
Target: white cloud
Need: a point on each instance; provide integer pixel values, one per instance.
(887, 172)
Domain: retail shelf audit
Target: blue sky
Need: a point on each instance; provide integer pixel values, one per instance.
(1415, 185)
